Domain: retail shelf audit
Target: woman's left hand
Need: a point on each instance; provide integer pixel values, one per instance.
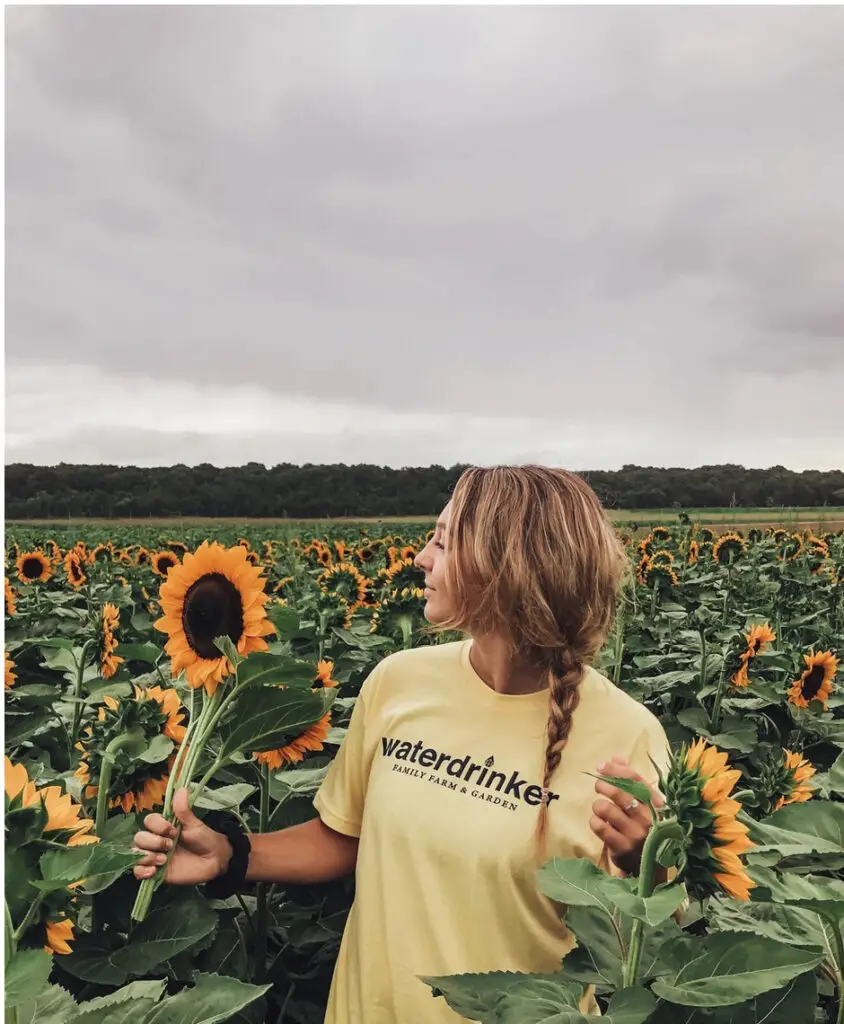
(620, 821)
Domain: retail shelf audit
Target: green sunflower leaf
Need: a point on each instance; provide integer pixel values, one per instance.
(726, 968)
(26, 972)
(267, 718)
(213, 999)
(264, 669)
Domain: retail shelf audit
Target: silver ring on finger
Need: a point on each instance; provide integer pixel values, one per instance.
(634, 803)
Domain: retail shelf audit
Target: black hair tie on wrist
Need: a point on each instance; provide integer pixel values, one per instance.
(234, 877)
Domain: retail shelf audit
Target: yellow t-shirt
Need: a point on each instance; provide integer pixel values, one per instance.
(440, 778)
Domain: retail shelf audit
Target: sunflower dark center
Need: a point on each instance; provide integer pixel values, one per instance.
(812, 682)
(32, 568)
(212, 608)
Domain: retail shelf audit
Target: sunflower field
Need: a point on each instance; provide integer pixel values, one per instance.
(140, 662)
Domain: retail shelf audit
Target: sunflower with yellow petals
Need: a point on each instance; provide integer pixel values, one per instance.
(109, 661)
(697, 792)
(312, 739)
(57, 821)
(62, 812)
(73, 569)
(34, 567)
(797, 771)
(816, 680)
(757, 639)
(728, 548)
(135, 783)
(11, 598)
(694, 552)
(214, 592)
(162, 562)
(9, 677)
(347, 581)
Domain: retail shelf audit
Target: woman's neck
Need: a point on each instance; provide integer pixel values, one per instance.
(492, 658)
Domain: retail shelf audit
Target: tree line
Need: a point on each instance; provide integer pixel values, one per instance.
(330, 491)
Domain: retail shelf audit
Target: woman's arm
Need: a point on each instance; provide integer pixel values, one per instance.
(301, 855)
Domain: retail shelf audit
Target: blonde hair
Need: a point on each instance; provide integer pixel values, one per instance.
(533, 558)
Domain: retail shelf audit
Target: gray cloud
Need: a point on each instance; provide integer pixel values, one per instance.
(622, 219)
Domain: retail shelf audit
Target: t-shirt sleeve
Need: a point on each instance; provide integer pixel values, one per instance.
(340, 799)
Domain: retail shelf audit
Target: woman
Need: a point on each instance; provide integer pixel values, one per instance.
(465, 764)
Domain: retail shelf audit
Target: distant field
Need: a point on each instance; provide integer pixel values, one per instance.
(827, 517)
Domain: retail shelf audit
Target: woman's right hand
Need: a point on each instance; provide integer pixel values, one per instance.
(201, 853)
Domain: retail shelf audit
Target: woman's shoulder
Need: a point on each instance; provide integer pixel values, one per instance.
(421, 659)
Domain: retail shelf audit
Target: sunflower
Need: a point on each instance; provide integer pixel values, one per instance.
(324, 556)
(707, 536)
(816, 681)
(697, 792)
(396, 613)
(347, 581)
(798, 771)
(408, 551)
(728, 548)
(34, 567)
(757, 639)
(323, 676)
(109, 621)
(658, 574)
(661, 534)
(780, 535)
(312, 739)
(333, 610)
(134, 783)
(641, 569)
(662, 556)
(214, 592)
(55, 551)
(402, 573)
(646, 545)
(754, 535)
(694, 551)
(59, 935)
(9, 676)
(280, 588)
(11, 608)
(61, 811)
(101, 553)
(73, 569)
(142, 556)
(253, 558)
(163, 562)
(790, 548)
(177, 547)
(365, 554)
(244, 543)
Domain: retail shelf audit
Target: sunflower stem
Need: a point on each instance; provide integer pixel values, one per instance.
(647, 871)
(715, 717)
(619, 645)
(10, 946)
(104, 784)
(704, 654)
(262, 906)
(77, 692)
(17, 935)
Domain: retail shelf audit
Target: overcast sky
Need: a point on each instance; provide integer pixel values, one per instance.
(584, 236)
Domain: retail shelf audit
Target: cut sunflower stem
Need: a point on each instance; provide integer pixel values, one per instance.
(662, 830)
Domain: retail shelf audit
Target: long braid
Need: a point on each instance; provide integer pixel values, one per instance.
(566, 672)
